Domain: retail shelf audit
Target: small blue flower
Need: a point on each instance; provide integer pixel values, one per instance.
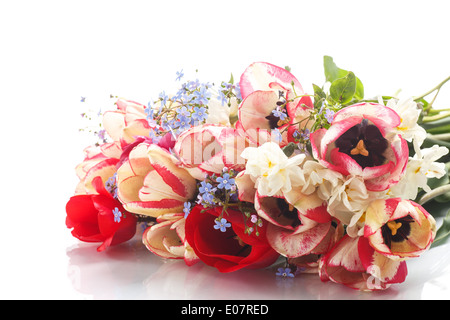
(199, 114)
(279, 114)
(205, 187)
(222, 98)
(163, 97)
(285, 273)
(329, 115)
(225, 182)
(276, 135)
(223, 224)
(237, 88)
(180, 75)
(184, 123)
(202, 95)
(117, 214)
(83, 99)
(183, 111)
(187, 209)
(208, 198)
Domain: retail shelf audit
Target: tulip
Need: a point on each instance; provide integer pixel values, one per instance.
(272, 99)
(353, 263)
(167, 239)
(98, 162)
(297, 228)
(127, 122)
(207, 149)
(226, 245)
(151, 183)
(398, 228)
(99, 217)
(361, 141)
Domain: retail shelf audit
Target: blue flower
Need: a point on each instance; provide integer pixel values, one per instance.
(202, 95)
(117, 214)
(208, 198)
(184, 123)
(163, 97)
(225, 182)
(223, 224)
(285, 273)
(180, 75)
(199, 114)
(222, 98)
(279, 114)
(187, 209)
(276, 135)
(329, 115)
(238, 91)
(183, 111)
(205, 187)
(83, 99)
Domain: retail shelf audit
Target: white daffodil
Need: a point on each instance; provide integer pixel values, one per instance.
(409, 113)
(320, 178)
(420, 168)
(349, 198)
(271, 170)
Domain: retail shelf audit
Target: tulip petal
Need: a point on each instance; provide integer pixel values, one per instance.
(260, 76)
(293, 245)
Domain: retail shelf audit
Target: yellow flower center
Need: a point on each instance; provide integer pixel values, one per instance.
(360, 149)
(394, 226)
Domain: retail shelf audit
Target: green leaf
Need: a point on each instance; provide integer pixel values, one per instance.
(287, 68)
(359, 93)
(289, 149)
(342, 90)
(443, 231)
(319, 96)
(332, 72)
(231, 79)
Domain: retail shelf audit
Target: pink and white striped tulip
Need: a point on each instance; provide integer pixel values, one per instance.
(98, 162)
(353, 263)
(296, 228)
(398, 228)
(264, 87)
(127, 122)
(167, 239)
(362, 141)
(207, 149)
(151, 183)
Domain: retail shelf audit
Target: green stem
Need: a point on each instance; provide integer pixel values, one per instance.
(435, 117)
(442, 136)
(434, 193)
(432, 90)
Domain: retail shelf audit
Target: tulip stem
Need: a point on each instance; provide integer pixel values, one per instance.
(434, 193)
(432, 90)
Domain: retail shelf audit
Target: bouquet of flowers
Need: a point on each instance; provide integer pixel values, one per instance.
(259, 173)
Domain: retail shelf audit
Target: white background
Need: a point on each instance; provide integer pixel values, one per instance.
(54, 52)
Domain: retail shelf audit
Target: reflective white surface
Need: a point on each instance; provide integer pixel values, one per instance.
(131, 272)
(54, 52)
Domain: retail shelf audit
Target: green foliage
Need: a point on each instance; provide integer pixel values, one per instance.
(345, 86)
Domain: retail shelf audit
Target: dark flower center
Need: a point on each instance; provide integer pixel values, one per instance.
(364, 143)
(397, 230)
(289, 212)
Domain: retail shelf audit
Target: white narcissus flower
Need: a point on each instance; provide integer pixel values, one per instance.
(420, 168)
(271, 170)
(349, 198)
(409, 113)
(320, 178)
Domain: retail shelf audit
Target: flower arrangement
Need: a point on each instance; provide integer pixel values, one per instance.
(248, 174)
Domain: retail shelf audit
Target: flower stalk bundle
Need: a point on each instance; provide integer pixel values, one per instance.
(242, 174)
